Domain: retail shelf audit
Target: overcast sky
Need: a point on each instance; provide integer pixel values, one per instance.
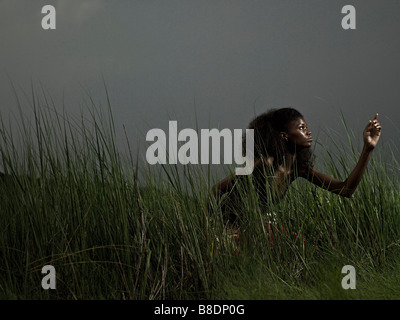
(214, 63)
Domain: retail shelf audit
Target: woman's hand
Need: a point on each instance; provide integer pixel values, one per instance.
(372, 133)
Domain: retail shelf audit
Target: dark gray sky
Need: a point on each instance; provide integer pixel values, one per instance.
(220, 62)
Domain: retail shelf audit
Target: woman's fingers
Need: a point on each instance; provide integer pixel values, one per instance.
(374, 124)
(375, 119)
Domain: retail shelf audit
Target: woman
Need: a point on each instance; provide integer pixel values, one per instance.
(282, 153)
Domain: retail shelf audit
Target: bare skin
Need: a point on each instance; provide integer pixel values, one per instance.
(346, 188)
(300, 136)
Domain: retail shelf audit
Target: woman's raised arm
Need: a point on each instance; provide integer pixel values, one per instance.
(346, 188)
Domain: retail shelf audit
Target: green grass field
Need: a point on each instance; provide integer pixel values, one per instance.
(115, 228)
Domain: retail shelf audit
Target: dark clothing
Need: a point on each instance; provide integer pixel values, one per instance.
(248, 192)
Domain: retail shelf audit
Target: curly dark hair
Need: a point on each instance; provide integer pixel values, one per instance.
(267, 140)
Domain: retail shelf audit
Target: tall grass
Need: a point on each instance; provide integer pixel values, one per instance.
(116, 228)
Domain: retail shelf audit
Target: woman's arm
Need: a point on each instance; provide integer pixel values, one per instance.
(346, 188)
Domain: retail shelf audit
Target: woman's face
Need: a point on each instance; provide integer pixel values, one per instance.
(298, 133)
